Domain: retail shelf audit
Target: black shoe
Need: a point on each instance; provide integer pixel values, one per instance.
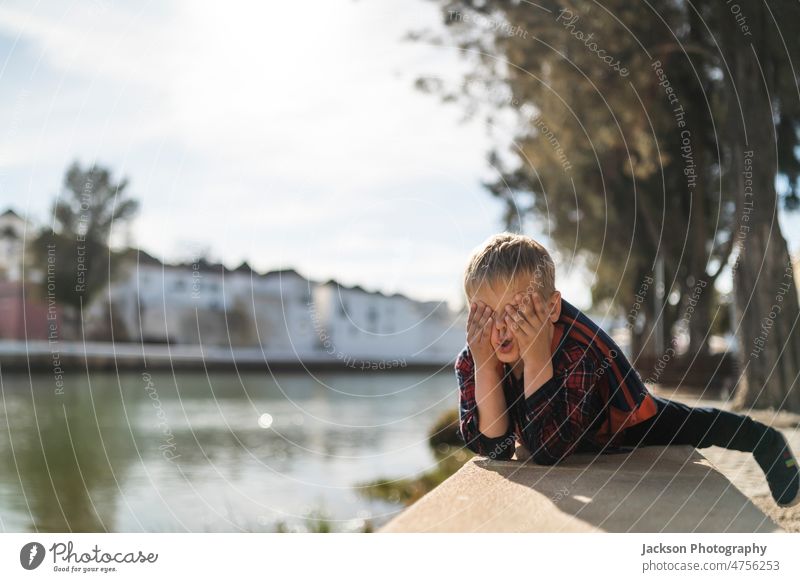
(780, 467)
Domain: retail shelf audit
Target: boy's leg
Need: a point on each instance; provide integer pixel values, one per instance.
(676, 423)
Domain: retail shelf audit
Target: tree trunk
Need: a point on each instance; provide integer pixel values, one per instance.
(766, 300)
(643, 338)
(766, 297)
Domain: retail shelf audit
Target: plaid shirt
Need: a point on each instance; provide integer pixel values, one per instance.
(560, 418)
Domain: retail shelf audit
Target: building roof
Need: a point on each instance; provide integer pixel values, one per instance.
(245, 268)
(288, 272)
(202, 265)
(360, 289)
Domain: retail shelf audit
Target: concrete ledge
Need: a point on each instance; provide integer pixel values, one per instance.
(652, 489)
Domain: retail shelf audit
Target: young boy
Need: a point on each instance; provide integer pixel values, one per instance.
(537, 370)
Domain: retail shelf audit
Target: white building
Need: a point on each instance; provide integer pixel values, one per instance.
(13, 232)
(160, 303)
(281, 312)
(353, 323)
(278, 304)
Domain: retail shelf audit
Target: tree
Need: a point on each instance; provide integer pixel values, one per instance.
(638, 100)
(597, 152)
(74, 254)
(763, 109)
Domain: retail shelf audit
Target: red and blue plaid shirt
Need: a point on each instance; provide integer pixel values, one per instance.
(558, 419)
(594, 395)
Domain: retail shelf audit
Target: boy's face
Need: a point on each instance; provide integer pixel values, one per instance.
(497, 294)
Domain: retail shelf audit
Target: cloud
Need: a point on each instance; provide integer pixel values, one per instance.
(260, 128)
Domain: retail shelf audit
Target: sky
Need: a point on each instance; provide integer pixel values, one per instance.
(288, 135)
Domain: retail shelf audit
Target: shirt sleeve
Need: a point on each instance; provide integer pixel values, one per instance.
(501, 447)
(558, 415)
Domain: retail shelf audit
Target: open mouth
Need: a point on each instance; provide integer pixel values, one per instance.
(505, 346)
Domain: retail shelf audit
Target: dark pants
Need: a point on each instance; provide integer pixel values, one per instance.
(678, 424)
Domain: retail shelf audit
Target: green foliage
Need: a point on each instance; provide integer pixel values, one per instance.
(92, 203)
(74, 255)
(450, 454)
(317, 521)
(596, 157)
(410, 490)
(445, 431)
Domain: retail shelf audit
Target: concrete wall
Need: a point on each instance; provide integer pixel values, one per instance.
(652, 489)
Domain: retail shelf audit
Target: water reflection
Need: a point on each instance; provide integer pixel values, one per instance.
(186, 452)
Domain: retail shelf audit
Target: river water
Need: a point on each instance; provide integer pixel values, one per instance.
(164, 452)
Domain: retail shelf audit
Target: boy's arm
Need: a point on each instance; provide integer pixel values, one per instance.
(559, 413)
(493, 407)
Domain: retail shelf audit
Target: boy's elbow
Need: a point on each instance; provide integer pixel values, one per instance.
(472, 445)
(502, 452)
(496, 448)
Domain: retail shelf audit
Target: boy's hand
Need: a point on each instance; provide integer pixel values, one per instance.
(533, 331)
(479, 333)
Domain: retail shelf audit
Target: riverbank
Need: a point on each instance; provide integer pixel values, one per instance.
(44, 356)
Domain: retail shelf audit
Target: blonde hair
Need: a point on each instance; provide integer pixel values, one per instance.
(507, 255)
